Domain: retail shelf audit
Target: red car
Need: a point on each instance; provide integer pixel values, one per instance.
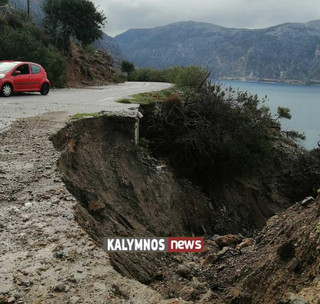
(16, 76)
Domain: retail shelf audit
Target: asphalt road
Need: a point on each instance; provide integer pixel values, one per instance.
(72, 101)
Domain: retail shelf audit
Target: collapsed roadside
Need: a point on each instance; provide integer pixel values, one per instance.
(123, 190)
(45, 256)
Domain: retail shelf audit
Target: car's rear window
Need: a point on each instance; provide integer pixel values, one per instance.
(35, 69)
(5, 67)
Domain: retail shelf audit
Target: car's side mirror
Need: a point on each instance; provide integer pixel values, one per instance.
(17, 73)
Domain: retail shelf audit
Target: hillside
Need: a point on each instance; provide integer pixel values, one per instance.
(106, 43)
(286, 52)
(110, 46)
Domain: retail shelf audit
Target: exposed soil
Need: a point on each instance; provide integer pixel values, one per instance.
(51, 241)
(87, 68)
(123, 191)
(240, 204)
(45, 256)
(282, 267)
(126, 191)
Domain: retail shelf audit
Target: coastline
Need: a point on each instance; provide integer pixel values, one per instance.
(272, 81)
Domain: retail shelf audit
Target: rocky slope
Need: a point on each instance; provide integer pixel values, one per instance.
(88, 67)
(279, 266)
(286, 52)
(110, 46)
(123, 191)
(126, 192)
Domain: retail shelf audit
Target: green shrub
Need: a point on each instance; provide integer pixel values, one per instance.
(126, 100)
(169, 95)
(55, 66)
(84, 115)
(127, 67)
(143, 142)
(301, 176)
(119, 78)
(191, 76)
(212, 134)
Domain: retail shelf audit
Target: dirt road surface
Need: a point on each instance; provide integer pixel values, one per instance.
(45, 256)
(72, 101)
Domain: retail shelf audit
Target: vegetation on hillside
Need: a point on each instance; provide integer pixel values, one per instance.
(216, 136)
(153, 97)
(191, 76)
(51, 46)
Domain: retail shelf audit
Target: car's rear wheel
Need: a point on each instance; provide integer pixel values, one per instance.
(45, 88)
(6, 90)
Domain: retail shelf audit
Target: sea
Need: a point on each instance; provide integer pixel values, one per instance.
(302, 100)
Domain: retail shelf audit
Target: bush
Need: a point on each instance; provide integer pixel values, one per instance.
(213, 135)
(301, 177)
(55, 66)
(127, 67)
(191, 76)
(119, 78)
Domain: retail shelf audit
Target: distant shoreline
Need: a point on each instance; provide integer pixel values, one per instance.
(272, 81)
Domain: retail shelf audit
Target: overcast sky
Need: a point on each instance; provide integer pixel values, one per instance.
(125, 14)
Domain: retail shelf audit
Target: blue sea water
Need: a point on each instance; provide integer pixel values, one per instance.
(302, 100)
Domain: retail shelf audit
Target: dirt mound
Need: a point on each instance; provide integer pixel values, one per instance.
(282, 267)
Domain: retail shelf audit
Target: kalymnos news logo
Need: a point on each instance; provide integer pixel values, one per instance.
(170, 244)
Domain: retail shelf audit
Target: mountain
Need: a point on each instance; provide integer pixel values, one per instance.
(286, 52)
(106, 43)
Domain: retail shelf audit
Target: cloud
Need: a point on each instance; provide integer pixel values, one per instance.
(125, 14)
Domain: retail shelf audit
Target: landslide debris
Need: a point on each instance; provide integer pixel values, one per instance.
(123, 191)
(281, 267)
(45, 256)
(88, 67)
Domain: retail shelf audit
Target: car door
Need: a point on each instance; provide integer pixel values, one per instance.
(35, 76)
(21, 78)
